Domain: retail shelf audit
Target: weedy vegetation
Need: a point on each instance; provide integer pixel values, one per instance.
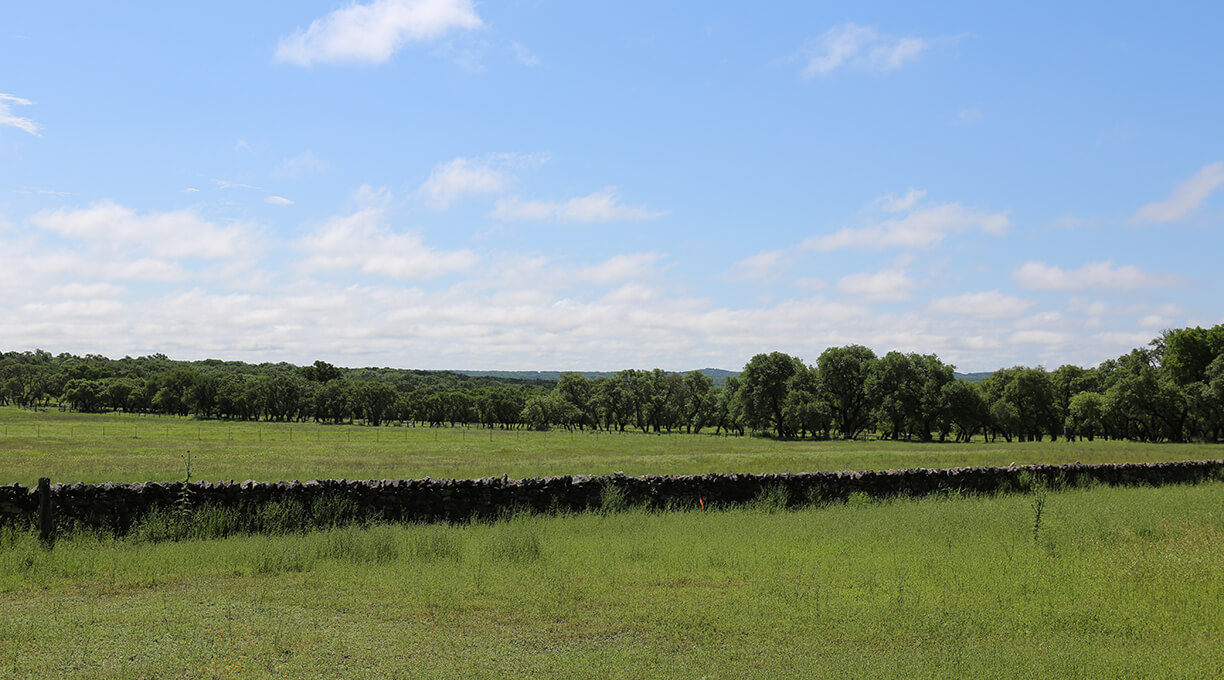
(1119, 582)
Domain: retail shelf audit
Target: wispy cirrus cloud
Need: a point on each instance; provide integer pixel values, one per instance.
(7, 117)
(1101, 276)
(602, 206)
(857, 47)
(303, 163)
(227, 184)
(1186, 196)
(523, 55)
(890, 203)
(372, 32)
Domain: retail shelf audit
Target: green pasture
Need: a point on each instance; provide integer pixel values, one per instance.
(1110, 582)
(73, 447)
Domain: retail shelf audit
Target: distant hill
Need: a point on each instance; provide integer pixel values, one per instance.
(973, 377)
(718, 375)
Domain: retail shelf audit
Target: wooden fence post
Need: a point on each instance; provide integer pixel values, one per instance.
(46, 512)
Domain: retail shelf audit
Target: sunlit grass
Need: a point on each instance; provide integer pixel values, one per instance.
(1118, 582)
(71, 447)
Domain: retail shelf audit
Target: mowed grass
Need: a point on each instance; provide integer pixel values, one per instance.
(73, 447)
(1115, 582)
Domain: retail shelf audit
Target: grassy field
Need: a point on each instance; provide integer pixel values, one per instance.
(1112, 583)
(72, 447)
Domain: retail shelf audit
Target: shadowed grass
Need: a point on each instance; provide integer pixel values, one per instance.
(1118, 582)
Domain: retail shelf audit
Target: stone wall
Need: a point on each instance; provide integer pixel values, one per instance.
(116, 506)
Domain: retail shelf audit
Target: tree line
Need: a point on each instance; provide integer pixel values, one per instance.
(1170, 390)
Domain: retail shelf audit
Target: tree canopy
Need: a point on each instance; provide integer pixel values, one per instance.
(1171, 390)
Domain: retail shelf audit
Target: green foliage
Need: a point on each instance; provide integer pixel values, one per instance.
(1086, 414)
(805, 410)
(321, 372)
(1167, 391)
(1186, 353)
(965, 409)
(771, 499)
(763, 390)
(612, 498)
(843, 373)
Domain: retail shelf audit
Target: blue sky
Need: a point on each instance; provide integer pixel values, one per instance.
(600, 185)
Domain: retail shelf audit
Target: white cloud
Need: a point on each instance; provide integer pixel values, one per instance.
(1039, 320)
(227, 184)
(85, 290)
(145, 269)
(509, 312)
(1039, 337)
(602, 206)
(888, 285)
(7, 117)
(366, 196)
(450, 181)
(991, 304)
(523, 55)
(858, 47)
(923, 227)
(631, 294)
(1102, 276)
(1092, 310)
(278, 200)
(176, 234)
(372, 32)
(1155, 321)
(620, 268)
(1186, 196)
(74, 311)
(762, 267)
(360, 242)
(1123, 340)
(298, 165)
(359, 291)
(890, 203)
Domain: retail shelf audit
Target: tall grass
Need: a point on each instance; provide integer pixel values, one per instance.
(278, 517)
(1122, 582)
